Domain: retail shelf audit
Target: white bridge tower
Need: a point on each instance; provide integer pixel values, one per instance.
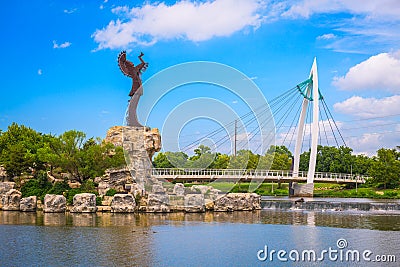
(311, 94)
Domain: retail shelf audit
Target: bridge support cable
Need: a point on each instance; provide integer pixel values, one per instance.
(326, 108)
(280, 115)
(302, 106)
(323, 127)
(247, 120)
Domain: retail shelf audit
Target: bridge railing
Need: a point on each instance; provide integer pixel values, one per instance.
(240, 173)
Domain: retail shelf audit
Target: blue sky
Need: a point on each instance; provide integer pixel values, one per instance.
(59, 69)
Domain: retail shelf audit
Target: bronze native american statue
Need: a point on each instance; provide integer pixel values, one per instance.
(130, 70)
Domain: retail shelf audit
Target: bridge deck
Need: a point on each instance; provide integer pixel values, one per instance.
(207, 175)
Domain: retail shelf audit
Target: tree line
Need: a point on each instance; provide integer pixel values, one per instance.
(384, 168)
(24, 151)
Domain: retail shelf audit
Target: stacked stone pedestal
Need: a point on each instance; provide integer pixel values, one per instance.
(140, 144)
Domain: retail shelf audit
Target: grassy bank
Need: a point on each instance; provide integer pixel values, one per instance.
(320, 190)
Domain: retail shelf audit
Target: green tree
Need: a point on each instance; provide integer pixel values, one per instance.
(198, 152)
(170, 160)
(281, 162)
(16, 162)
(245, 159)
(280, 150)
(203, 158)
(361, 164)
(265, 161)
(18, 150)
(329, 159)
(95, 157)
(82, 159)
(221, 161)
(161, 161)
(276, 158)
(385, 168)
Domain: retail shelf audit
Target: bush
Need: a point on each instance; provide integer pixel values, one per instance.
(36, 187)
(59, 188)
(88, 187)
(98, 201)
(111, 192)
(69, 195)
(390, 194)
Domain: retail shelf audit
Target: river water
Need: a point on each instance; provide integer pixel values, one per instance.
(208, 239)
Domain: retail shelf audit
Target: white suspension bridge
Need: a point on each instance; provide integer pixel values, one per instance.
(309, 94)
(232, 175)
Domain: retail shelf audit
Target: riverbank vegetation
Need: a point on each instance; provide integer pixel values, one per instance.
(30, 158)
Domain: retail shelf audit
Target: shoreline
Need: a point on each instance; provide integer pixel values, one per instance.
(271, 203)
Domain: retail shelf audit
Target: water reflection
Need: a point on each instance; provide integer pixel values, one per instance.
(53, 219)
(180, 239)
(16, 217)
(362, 220)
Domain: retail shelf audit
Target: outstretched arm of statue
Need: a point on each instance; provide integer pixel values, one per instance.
(140, 57)
(143, 65)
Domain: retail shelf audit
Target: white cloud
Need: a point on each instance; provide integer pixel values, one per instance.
(194, 21)
(39, 72)
(373, 8)
(70, 11)
(369, 143)
(378, 72)
(326, 36)
(369, 107)
(63, 45)
(374, 24)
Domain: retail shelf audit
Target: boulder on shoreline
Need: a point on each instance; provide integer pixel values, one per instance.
(11, 200)
(85, 202)
(6, 186)
(238, 201)
(28, 203)
(179, 189)
(158, 203)
(54, 203)
(194, 203)
(123, 203)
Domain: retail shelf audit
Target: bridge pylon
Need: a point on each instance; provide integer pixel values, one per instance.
(311, 94)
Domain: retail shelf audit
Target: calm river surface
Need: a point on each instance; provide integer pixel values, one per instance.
(209, 239)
